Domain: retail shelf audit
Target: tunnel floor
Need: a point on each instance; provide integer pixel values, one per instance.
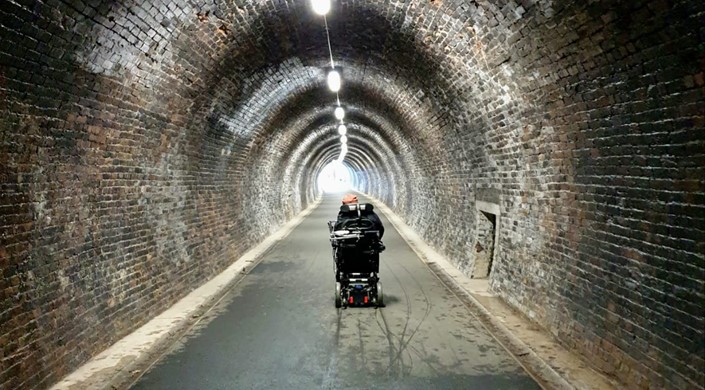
(278, 328)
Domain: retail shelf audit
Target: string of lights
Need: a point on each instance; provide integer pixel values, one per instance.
(333, 78)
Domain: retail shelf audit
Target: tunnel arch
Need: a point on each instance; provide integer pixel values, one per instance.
(146, 146)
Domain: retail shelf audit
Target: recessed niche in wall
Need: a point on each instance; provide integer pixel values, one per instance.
(484, 249)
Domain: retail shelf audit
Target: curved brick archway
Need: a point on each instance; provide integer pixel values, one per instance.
(144, 145)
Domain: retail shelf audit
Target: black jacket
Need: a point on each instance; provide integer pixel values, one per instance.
(368, 214)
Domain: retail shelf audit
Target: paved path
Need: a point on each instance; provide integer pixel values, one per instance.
(278, 329)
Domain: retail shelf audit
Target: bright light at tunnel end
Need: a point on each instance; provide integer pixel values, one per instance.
(335, 177)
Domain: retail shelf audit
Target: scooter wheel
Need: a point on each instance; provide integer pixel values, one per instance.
(338, 297)
(380, 295)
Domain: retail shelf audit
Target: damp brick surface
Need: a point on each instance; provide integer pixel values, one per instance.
(145, 145)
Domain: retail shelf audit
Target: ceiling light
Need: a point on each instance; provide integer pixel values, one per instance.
(343, 139)
(339, 113)
(334, 80)
(342, 130)
(320, 7)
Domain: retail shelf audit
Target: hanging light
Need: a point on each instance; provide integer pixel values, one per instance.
(343, 139)
(343, 152)
(334, 80)
(339, 113)
(342, 130)
(320, 7)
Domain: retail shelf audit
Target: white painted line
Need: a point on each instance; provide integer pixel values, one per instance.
(144, 339)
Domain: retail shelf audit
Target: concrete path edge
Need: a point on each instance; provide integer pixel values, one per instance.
(121, 364)
(541, 370)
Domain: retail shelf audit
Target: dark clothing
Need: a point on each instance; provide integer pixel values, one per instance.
(344, 216)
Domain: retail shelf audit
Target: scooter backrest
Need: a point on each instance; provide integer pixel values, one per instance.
(364, 208)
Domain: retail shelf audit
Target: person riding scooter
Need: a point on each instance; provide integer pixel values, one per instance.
(368, 214)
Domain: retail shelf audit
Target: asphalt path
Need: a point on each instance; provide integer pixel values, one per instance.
(278, 328)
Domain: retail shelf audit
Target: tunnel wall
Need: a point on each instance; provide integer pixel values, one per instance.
(123, 186)
(144, 147)
(584, 123)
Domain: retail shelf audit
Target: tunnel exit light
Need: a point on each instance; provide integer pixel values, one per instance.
(335, 177)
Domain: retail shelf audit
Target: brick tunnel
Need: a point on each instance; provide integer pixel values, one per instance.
(145, 145)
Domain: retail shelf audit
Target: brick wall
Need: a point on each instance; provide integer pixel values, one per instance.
(145, 145)
(585, 123)
(135, 166)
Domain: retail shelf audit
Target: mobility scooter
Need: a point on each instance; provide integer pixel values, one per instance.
(356, 247)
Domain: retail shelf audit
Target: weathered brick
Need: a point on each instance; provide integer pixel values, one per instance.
(166, 138)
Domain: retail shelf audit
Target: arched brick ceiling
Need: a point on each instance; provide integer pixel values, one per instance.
(152, 142)
(243, 63)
